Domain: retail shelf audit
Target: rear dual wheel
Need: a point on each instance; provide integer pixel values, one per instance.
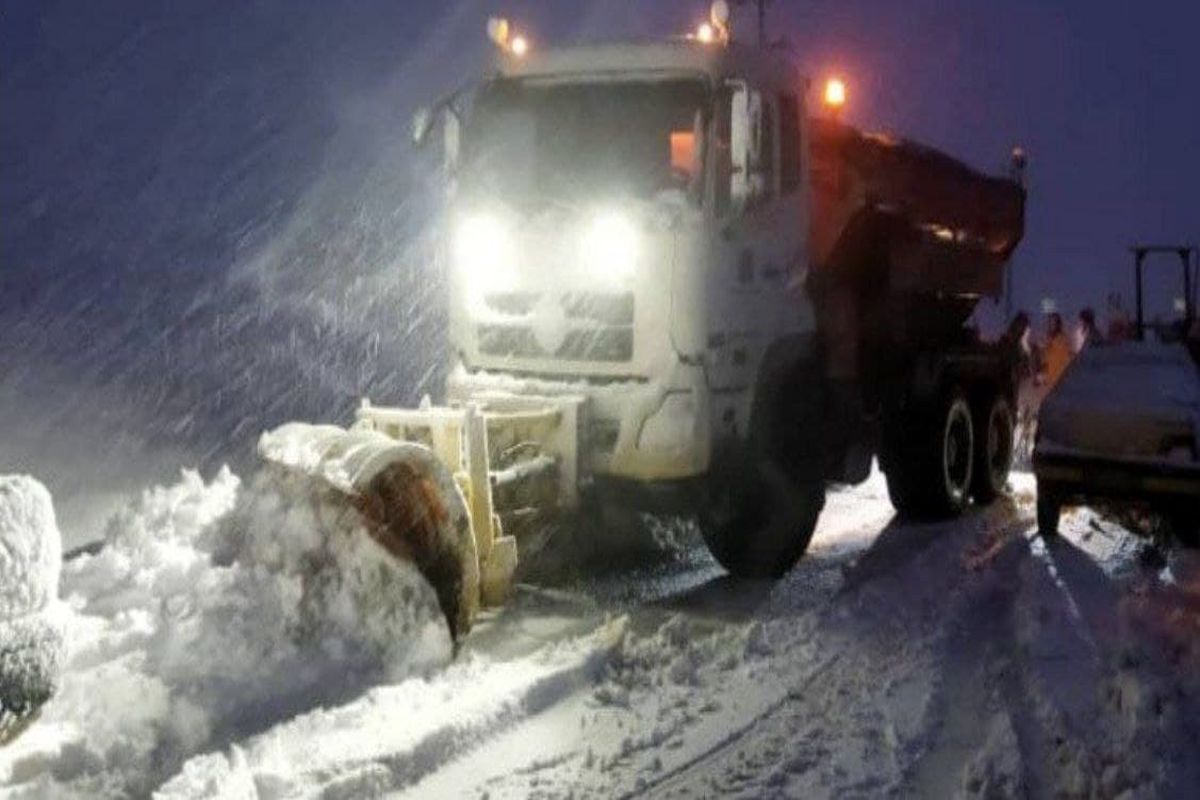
(931, 459)
(995, 440)
(952, 451)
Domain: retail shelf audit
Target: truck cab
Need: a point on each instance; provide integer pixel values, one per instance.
(748, 301)
(627, 223)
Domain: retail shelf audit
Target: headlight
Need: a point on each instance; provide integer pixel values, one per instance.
(610, 247)
(484, 253)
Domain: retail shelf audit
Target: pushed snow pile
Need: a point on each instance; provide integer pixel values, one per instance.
(393, 737)
(31, 551)
(214, 611)
(30, 639)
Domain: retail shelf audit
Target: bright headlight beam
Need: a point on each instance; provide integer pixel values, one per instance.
(610, 246)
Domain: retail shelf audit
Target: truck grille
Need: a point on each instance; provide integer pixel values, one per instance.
(599, 327)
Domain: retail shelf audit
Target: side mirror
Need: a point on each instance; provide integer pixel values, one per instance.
(426, 119)
(422, 124)
(450, 139)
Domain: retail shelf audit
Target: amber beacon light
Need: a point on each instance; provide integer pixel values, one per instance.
(835, 94)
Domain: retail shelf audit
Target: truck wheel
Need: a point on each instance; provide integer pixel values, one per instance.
(1049, 508)
(763, 499)
(759, 523)
(994, 439)
(930, 465)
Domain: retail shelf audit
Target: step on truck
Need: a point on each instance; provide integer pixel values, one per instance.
(674, 282)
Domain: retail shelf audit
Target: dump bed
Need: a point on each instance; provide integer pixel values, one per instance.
(943, 227)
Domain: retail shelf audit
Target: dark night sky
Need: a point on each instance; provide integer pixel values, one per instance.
(212, 208)
(1102, 94)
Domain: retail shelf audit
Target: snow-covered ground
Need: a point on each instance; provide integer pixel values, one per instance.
(212, 223)
(966, 658)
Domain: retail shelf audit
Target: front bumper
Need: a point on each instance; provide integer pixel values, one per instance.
(644, 430)
(1093, 476)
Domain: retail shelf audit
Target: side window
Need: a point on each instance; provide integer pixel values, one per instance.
(765, 187)
(723, 153)
(750, 179)
(789, 144)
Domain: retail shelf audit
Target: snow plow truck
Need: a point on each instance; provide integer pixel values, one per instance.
(675, 287)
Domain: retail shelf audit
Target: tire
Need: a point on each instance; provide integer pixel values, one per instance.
(1049, 508)
(762, 503)
(760, 523)
(930, 459)
(994, 448)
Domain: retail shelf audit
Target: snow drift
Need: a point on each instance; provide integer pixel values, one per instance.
(213, 611)
(32, 553)
(30, 638)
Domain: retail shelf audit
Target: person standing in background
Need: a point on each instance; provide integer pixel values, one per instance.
(1022, 358)
(1120, 329)
(1085, 330)
(1017, 348)
(1056, 351)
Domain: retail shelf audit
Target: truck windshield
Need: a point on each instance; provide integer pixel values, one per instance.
(533, 143)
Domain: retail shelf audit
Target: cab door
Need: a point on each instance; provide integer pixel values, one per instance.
(760, 235)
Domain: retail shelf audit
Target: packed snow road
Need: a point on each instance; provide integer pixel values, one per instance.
(966, 658)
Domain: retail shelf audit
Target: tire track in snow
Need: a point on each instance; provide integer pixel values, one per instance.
(809, 717)
(734, 738)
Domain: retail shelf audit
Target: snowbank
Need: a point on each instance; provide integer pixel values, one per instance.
(30, 637)
(214, 611)
(31, 555)
(394, 736)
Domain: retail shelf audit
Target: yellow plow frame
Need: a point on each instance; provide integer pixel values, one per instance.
(437, 485)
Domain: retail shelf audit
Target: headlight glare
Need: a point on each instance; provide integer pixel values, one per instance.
(484, 253)
(610, 247)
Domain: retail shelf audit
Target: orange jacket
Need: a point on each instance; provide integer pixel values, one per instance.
(1056, 355)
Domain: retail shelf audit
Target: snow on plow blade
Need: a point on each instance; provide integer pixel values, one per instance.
(421, 482)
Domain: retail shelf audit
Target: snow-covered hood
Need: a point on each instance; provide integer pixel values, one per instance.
(1136, 399)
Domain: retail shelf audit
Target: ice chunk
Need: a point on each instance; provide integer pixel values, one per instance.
(215, 610)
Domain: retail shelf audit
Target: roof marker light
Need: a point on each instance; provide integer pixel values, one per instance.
(835, 93)
(508, 40)
(719, 14)
(497, 31)
(717, 27)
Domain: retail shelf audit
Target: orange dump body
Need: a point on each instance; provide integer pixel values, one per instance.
(942, 227)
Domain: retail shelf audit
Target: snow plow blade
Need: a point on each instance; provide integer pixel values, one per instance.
(404, 498)
(420, 482)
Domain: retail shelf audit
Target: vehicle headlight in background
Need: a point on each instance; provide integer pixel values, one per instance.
(484, 253)
(610, 247)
